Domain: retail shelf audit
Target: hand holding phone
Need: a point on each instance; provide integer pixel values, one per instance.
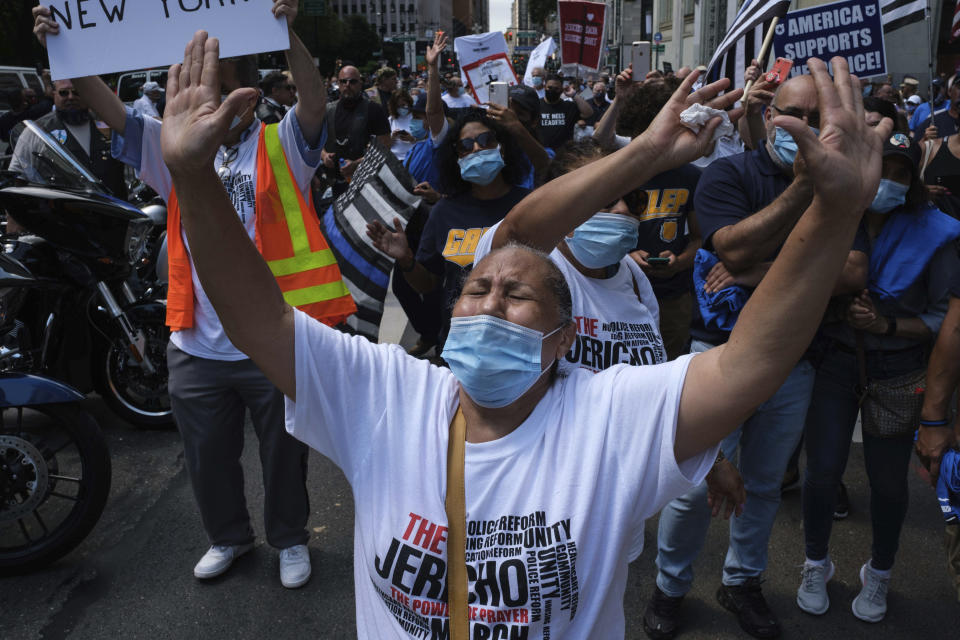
(658, 261)
(780, 71)
(641, 60)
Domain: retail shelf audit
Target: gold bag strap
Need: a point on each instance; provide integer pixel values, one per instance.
(457, 530)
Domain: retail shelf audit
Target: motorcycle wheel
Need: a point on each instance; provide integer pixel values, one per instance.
(137, 397)
(54, 481)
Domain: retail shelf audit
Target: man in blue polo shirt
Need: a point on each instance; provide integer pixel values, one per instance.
(747, 204)
(945, 118)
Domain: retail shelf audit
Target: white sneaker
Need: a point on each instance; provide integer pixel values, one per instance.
(812, 595)
(294, 566)
(871, 604)
(218, 559)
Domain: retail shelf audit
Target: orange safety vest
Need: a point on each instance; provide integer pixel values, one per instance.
(288, 237)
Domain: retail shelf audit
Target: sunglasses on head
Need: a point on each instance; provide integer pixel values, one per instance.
(486, 140)
(63, 93)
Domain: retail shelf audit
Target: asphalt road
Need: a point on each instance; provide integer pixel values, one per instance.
(132, 577)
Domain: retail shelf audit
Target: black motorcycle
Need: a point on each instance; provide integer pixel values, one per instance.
(82, 322)
(54, 463)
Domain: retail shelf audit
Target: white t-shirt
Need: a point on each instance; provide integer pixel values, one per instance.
(145, 105)
(461, 101)
(400, 148)
(207, 339)
(618, 318)
(550, 507)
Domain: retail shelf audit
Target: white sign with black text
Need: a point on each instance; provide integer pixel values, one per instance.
(107, 36)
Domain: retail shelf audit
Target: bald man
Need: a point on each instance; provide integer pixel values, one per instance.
(350, 122)
(746, 205)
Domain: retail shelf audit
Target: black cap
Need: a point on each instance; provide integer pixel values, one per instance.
(900, 145)
(527, 98)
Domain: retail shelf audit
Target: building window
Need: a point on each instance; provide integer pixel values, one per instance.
(666, 13)
(688, 9)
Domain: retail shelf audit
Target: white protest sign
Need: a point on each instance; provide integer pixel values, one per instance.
(107, 36)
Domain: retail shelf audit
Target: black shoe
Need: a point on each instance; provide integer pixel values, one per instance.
(660, 618)
(842, 509)
(746, 600)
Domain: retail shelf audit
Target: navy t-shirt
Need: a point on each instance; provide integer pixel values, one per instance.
(664, 223)
(452, 232)
(731, 189)
(944, 122)
(557, 122)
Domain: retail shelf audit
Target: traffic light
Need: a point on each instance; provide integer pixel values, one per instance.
(509, 36)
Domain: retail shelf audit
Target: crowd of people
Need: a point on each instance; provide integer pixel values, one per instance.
(622, 313)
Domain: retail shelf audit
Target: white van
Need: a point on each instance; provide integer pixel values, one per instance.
(18, 78)
(128, 84)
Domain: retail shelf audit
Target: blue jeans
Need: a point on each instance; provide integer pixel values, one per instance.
(830, 423)
(766, 441)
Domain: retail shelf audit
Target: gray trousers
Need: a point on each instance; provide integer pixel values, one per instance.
(209, 399)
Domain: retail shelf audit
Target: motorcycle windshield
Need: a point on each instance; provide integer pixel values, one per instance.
(53, 166)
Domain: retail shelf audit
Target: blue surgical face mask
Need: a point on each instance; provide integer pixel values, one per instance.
(481, 167)
(495, 360)
(604, 239)
(785, 146)
(417, 130)
(890, 195)
(403, 112)
(537, 81)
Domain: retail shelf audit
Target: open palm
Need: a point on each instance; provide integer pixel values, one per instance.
(844, 162)
(194, 121)
(392, 243)
(434, 50)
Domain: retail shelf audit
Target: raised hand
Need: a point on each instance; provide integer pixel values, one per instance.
(195, 122)
(392, 243)
(843, 164)
(673, 142)
(287, 8)
(434, 50)
(44, 24)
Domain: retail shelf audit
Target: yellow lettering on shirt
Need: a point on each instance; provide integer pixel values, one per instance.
(461, 245)
(664, 203)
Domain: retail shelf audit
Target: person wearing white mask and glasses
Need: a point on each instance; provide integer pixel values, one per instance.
(545, 472)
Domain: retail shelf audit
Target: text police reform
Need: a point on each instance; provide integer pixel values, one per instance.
(106, 36)
(851, 28)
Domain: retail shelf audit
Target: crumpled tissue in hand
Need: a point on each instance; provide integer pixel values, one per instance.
(697, 115)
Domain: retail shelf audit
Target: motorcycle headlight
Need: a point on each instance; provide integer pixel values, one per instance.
(136, 242)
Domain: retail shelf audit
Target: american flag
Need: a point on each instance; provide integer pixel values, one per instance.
(900, 13)
(380, 189)
(743, 40)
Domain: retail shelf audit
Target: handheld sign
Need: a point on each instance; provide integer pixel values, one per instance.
(107, 36)
(850, 28)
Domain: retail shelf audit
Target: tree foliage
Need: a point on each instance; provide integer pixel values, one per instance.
(18, 47)
(540, 10)
(330, 39)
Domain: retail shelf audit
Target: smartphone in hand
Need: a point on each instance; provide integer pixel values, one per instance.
(640, 56)
(658, 261)
(780, 71)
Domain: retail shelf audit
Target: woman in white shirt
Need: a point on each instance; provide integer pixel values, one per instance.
(556, 468)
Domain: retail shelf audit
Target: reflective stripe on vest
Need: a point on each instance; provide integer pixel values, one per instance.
(322, 284)
(288, 236)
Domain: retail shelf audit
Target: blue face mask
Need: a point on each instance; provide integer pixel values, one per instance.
(481, 167)
(403, 112)
(537, 81)
(495, 360)
(417, 130)
(604, 239)
(890, 195)
(786, 147)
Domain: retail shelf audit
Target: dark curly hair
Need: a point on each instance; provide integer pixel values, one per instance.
(451, 182)
(643, 104)
(573, 155)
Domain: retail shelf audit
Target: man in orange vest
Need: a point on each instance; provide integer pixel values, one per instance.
(266, 170)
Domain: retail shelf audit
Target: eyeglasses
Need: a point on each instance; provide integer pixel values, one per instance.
(225, 173)
(349, 81)
(813, 117)
(486, 140)
(63, 93)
